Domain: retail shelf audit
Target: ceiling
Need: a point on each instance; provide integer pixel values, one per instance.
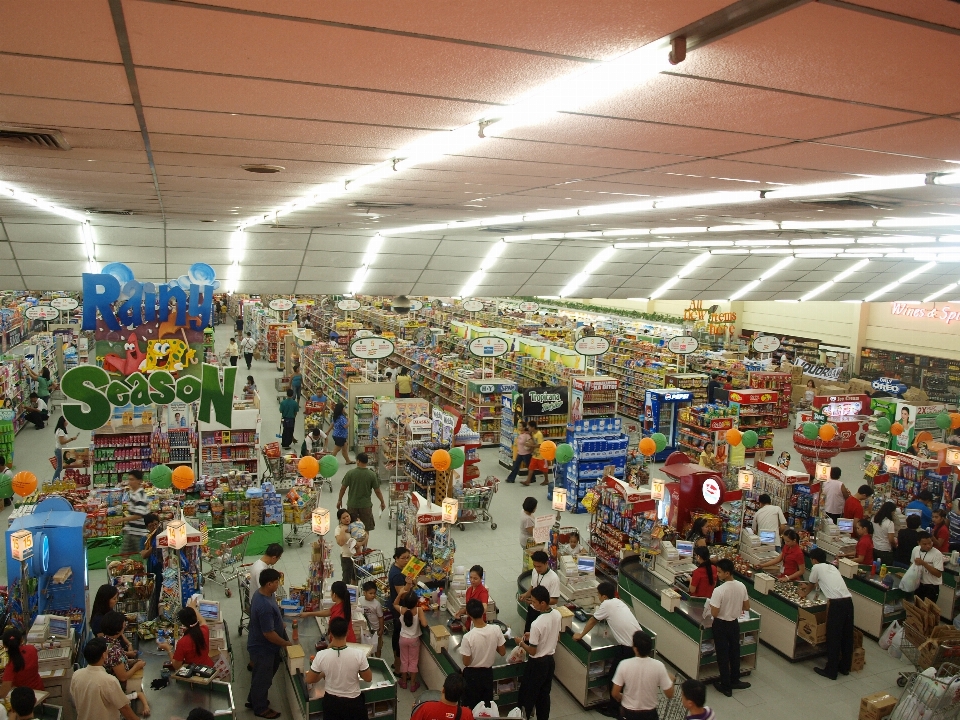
(163, 102)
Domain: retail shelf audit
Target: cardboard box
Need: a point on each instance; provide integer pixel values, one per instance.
(877, 706)
(439, 636)
(812, 627)
(566, 617)
(763, 583)
(857, 639)
(859, 660)
(295, 656)
(848, 568)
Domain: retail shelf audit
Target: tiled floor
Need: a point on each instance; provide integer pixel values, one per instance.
(779, 689)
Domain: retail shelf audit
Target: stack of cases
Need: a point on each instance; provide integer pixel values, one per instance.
(597, 443)
(272, 506)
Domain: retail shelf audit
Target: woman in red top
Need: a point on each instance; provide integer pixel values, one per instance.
(791, 556)
(864, 556)
(23, 668)
(194, 647)
(941, 531)
(704, 579)
(476, 591)
(340, 608)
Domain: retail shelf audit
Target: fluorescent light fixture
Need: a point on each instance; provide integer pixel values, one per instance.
(893, 240)
(616, 208)
(842, 187)
(920, 221)
(714, 198)
(746, 227)
(373, 249)
(630, 246)
(736, 251)
(748, 243)
(684, 272)
(839, 278)
(669, 244)
(750, 287)
(40, 203)
(906, 278)
(639, 299)
(711, 243)
(89, 244)
(550, 215)
(771, 251)
(598, 260)
(233, 276)
(948, 179)
(677, 230)
(623, 232)
(938, 293)
(238, 246)
(823, 241)
(488, 262)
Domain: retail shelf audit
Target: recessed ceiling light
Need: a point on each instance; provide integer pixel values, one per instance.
(263, 169)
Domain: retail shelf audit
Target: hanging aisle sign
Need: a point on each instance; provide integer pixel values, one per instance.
(545, 401)
(682, 345)
(348, 304)
(281, 304)
(592, 345)
(766, 344)
(371, 348)
(529, 307)
(41, 312)
(472, 305)
(64, 304)
(416, 306)
(489, 346)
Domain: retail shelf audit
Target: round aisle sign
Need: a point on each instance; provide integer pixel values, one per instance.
(682, 345)
(489, 346)
(766, 344)
(363, 333)
(472, 305)
(592, 345)
(371, 348)
(711, 491)
(349, 304)
(416, 306)
(64, 303)
(41, 312)
(281, 304)
(529, 306)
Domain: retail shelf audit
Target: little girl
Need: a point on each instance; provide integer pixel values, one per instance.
(411, 619)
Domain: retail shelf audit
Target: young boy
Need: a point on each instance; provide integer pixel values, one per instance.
(526, 521)
(372, 611)
(694, 696)
(23, 701)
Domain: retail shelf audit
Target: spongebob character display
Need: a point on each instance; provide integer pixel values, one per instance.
(171, 355)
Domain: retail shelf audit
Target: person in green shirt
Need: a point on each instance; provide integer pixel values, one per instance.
(6, 481)
(360, 482)
(44, 383)
(288, 418)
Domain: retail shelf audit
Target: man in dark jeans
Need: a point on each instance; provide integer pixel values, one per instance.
(288, 419)
(839, 614)
(540, 644)
(265, 637)
(728, 602)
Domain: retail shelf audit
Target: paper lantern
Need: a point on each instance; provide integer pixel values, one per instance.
(660, 440)
(183, 477)
(896, 429)
(451, 509)
(656, 489)
(559, 499)
(21, 545)
(943, 421)
(320, 521)
(954, 421)
(548, 450)
(457, 458)
(952, 456)
(745, 479)
(564, 453)
(308, 466)
(176, 529)
(811, 431)
(329, 466)
(822, 471)
(440, 460)
(892, 463)
(750, 439)
(24, 483)
(734, 436)
(827, 432)
(160, 476)
(883, 425)
(648, 447)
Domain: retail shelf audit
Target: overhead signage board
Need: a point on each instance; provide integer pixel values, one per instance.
(529, 306)
(489, 346)
(41, 312)
(64, 304)
(281, 304)
(348, 304)
(889, 385)
(766, 344)
(416, 306)
(682, 345)
(545, 401)
(592, 345)
(818, 371)
(472, 305)
(371, 348)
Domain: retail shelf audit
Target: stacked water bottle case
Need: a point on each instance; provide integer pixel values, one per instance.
(596, 445)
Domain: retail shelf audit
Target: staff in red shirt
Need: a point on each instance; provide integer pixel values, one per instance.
(864, 528)
(941, 531)
(704, 578)
(853, 507)
(791, 557)
(340, 595)
(23, 669)
(476, 591)
(194, 647)
(448, 706)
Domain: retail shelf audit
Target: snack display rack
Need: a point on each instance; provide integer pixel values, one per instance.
(622, 524)
(223, 451)
(421, 530)
(758, 410)
(115, 453)
(782, 383)
(598, 444)
(695, 383)
(702, 424)
(484, 408)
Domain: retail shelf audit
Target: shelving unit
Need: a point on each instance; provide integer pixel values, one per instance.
(598, 443)
(696, 383)
(758, 410)
(701, 424)
(434, 379)
(484, 408)
(939, 377)
(782, 383)
(116, 453)
(362, 415)
(236, 448)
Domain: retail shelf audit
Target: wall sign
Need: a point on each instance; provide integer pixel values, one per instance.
(64, 304)
(818, 371)
(711, 491)
(529, 306)
(371, 348)
(682, 345)
(944, 313)
(489, 346)
(766, 344)
(545, 401)
(472, 305)
(280, 304)
(592, 345)
(889, 385)
(41, 312)
(348, 304)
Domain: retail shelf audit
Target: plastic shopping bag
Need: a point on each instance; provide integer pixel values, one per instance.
(911, 579)
(486, 710)
(516, 713)
(886, 637)
(517, 656)
(894, 649)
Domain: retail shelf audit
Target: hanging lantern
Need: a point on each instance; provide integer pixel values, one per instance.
(823, 471)
(559, 499)
(320, 521)
(892, 463)
(21, 545)
(952, 456)
(656, 489)
(177, 534)
(745, 479)
(451, 509)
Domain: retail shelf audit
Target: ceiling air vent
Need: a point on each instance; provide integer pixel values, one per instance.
(372, 205)
(33, 138)
(263, 169)
(849, 203)
(108, 211)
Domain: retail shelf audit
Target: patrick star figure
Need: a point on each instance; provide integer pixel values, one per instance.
(128, 364)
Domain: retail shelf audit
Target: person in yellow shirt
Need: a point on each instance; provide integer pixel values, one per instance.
(537, 463)
(404, 384)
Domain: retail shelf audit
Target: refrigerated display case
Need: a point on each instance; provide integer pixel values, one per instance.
(661, 414)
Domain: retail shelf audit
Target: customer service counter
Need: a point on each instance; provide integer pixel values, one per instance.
(435, 666)
(584, 667)
(306, 702)
(682, 638)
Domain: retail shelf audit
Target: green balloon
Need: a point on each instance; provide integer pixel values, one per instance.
(564, 453)
(328, 466)
(660, 439)
(160, 476)
(750, 439)
(943, 421)
(811, 430)
(883, 424)
(457, 458)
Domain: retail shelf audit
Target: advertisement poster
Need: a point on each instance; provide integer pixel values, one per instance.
(179, 415)
(541, 527)
(546, 401)
(133, 418)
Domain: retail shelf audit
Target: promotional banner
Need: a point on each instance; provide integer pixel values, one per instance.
(545, 401)
(818, 371)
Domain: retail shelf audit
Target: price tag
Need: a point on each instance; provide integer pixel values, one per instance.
(682, 345)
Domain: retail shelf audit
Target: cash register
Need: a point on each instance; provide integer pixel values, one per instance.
(674, 561)
(756, 549)
(837, 539)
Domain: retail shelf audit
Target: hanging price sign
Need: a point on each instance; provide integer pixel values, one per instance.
(348, 304)
(592, 345)
(529, 306)
(41, 312)
(281, 304)
(766, 344)
(64, 304)
(489, 346)
(472, 305)
(416, 306)
(371, 348)
(682, 345)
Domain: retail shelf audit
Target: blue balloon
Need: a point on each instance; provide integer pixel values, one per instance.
(202, 274)
(121, 272)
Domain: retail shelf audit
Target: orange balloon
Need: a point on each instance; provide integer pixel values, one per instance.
(183, 477)
(922, 437)
(734, 436)
(896, 429)
(954, 421)
(308, 466)
(548, 449)
(24, 483)
(440, 460)
(648, 447)
(827, 432)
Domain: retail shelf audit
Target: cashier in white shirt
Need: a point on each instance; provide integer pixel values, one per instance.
(637, 680)
(769, 518)
(727, 603)
(479, 648)
(342, 669)
(839, 614)
(540, 644)
(541, 575)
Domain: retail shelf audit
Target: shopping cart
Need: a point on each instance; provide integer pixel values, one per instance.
(243, 592)
(128, 573)
(224, 551)
(279, 469)
(927, 651)
(671, 708)
(300, 518)
(399, 490)
(931, 698)
(475, 505)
